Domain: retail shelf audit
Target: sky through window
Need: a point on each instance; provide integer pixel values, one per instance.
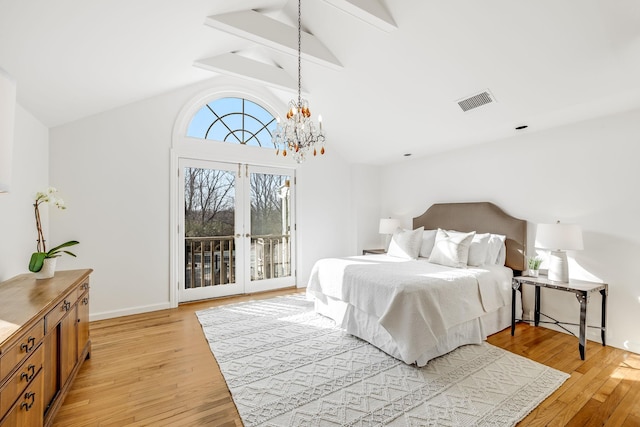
(233, 120)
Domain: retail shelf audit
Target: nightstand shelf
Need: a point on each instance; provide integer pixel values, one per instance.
(373, 251)
(580, 288)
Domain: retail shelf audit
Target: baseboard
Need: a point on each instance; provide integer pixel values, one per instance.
(141, 309)
(128, 311)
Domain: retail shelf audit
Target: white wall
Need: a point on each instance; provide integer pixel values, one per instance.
(113, 170)
(30, 174)
(323, 195)
(365, 207)
(586, 173)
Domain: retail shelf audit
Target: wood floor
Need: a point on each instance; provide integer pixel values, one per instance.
(156, 369)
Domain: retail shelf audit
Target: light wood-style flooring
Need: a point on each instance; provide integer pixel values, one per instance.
(156, 369)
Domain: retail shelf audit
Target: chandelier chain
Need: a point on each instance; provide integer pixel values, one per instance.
(299, 54)
(298, 135)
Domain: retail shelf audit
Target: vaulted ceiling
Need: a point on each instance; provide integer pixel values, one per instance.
(386, 75)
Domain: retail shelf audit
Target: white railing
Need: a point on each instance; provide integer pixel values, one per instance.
(211, 261)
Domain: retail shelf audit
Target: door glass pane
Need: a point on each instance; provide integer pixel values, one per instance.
(209, 215)
(270, 226)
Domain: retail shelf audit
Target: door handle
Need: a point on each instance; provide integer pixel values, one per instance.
(247, 235)
(238, 236)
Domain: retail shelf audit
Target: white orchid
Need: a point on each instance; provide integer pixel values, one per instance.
(38, 257)
(49, 196)
(59, 203)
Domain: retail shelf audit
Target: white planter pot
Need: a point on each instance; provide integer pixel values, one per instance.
(48, 269)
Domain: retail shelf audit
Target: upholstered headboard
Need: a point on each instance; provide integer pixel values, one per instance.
(481, 217)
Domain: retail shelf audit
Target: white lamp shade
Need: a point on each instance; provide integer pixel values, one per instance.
(559, 236)
(7, 113)
(388, 225)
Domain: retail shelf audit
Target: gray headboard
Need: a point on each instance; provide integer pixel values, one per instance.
(481, 217)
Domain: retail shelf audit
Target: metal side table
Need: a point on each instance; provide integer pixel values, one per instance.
(581, 289)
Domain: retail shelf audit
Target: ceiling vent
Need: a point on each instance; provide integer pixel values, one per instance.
(477, 100)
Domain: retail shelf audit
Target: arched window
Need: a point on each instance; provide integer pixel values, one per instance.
(234, 120)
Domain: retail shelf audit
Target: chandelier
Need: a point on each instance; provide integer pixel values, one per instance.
(298, 134)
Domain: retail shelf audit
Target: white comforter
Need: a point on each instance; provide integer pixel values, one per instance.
(415, 301)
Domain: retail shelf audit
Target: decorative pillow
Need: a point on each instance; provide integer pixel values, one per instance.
(406, 243)
(478, 249)
(496, 250)
(451, 249)
(428, 240)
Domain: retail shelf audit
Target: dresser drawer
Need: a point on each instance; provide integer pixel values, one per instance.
(83, 287)
(19, 351)
(28, 409)
(20, 379)
(56, 314)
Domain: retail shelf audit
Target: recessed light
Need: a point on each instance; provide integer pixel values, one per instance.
(521, 127)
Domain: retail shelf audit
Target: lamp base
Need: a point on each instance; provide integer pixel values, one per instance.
(386, 240)
(558, 267)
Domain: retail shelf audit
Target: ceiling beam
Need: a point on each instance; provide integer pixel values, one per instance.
(370, 11)
(258, 28)
(238, 66)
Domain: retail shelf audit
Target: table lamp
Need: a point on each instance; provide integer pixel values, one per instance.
(387, 227)
(559, 238)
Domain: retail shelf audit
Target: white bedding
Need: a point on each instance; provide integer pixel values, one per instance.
(412, 309)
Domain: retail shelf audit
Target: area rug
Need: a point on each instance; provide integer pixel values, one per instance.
(285, 365)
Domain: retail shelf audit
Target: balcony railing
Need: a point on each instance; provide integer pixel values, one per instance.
(211, 261)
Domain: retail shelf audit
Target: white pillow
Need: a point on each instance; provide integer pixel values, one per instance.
(406, 243)
(428, 240)
(502, 255)
(451, 249)
(496, 250)
(478, 249)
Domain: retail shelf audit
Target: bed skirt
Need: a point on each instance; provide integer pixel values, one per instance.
(365, 326)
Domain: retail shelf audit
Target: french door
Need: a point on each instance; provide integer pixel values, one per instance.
(236, 229)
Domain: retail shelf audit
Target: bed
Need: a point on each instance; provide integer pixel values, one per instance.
(416, 310)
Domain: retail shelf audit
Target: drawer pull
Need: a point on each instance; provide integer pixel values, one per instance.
(66, 305)
(85, 300)
(29, 376)
(28, 346)
(27, 406)
(85, 286)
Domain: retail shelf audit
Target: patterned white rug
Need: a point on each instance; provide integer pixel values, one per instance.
(288, 366)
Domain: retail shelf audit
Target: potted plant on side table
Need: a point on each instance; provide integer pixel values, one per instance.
(43, 262)
(534, 266)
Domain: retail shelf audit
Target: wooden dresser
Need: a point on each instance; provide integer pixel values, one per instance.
(44, 338)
